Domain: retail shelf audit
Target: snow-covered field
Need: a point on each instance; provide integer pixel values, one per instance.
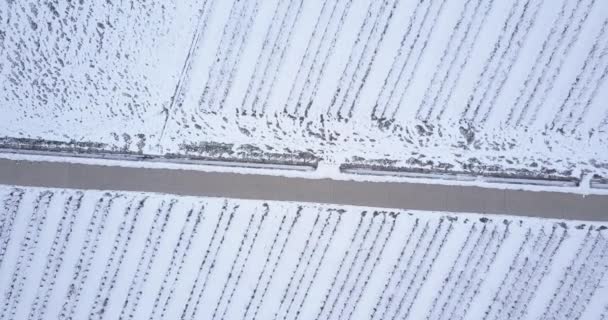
(474, 86)
(72, 254)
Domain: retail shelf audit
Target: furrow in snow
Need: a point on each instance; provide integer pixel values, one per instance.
(27, 250)
(55, 257)
(9, 212)
(120, 246)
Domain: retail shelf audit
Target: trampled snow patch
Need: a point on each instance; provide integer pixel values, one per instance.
(482, 87)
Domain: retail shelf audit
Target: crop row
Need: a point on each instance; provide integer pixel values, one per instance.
(95, 255)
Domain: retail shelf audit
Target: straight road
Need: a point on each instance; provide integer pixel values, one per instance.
(396, 195)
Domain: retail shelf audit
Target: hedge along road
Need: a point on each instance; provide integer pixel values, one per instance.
(398, 195)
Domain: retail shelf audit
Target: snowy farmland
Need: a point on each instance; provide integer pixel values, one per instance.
(72, 254)
(459, 86)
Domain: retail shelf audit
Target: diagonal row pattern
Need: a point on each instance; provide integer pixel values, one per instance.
(94, 255)
(436, 85)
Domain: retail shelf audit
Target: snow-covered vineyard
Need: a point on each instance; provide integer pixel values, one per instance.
(475, 86)
(71, 254)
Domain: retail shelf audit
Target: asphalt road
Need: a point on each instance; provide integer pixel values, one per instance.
(251, 186)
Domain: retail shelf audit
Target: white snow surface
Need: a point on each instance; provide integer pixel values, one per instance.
(481, 86)
(70, 254)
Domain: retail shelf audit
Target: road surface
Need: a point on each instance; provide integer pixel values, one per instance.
(416, 196)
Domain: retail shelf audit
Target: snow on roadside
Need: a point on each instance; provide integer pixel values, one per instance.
(324, 170)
